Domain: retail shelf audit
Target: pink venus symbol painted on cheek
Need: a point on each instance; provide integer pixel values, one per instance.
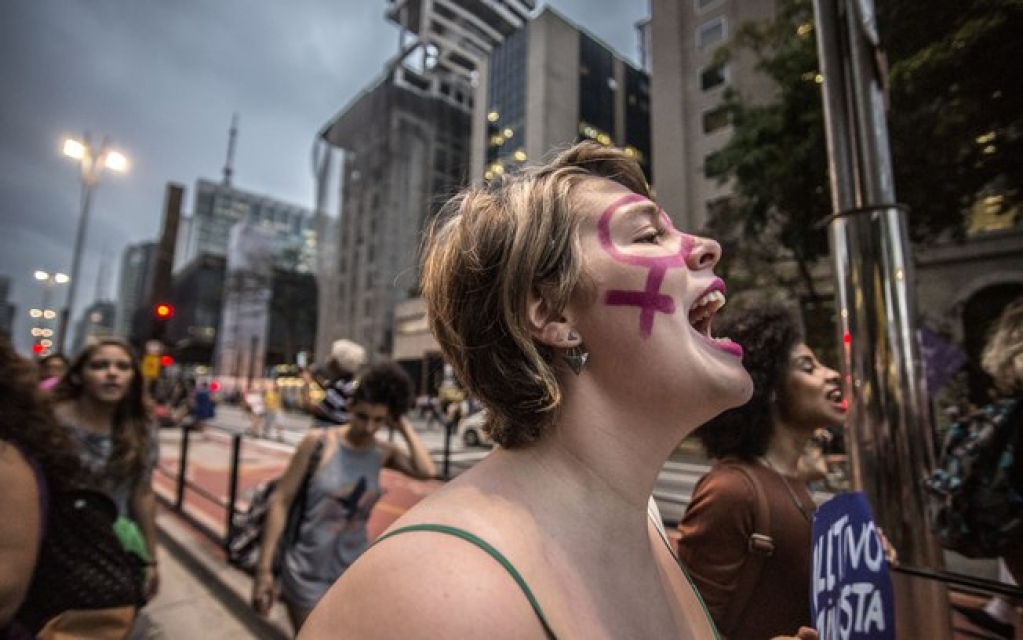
(650, 300)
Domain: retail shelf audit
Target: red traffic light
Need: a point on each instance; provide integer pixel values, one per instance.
(166, 360)
(163, 310)
(38, 348)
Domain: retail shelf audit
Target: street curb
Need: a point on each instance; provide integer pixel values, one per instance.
(229, 585)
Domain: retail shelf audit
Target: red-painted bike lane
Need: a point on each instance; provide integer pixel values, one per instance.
(208, 473)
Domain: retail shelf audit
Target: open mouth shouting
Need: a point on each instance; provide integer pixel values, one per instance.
(701, 316)
(836, 398)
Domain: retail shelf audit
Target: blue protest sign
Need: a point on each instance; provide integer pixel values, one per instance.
(850, 588)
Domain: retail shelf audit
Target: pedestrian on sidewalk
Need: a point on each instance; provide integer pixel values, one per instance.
(569, 305)
(345, 361)
(271, 408)
(100, 402)
(203, 407)
(341, 492)
(64, 571)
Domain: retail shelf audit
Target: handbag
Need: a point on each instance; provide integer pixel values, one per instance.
(246, 535)
(85, 584)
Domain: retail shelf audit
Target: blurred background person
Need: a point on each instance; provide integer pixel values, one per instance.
(1002, 359)
(203, 406)
(338, 382)
(760, 442)
(100, 402)
(271, 408)
(51, 368)
(33, 450)
(341, 492)
(63, 571)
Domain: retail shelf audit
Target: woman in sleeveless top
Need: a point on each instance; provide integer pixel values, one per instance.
(570, 306)
(341, 492)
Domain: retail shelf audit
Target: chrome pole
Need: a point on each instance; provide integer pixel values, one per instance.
(889, 427)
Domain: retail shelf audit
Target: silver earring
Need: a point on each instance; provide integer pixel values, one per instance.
(575, 358)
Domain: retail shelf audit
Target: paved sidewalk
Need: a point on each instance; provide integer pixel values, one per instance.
(192, 603)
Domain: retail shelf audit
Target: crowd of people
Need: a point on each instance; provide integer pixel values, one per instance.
(571, 309)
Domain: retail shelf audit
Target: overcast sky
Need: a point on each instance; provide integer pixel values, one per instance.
(162, 80)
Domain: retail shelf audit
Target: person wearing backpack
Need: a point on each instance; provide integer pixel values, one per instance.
(977, 488)
(340, 492)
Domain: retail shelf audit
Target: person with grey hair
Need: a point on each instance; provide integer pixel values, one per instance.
(345, 360)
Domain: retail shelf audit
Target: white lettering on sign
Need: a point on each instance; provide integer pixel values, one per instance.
(858, 607)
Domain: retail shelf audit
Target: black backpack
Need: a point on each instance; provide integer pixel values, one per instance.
(246, 535)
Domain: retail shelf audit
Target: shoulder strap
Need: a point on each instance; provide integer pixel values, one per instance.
(760, 546)
(490, 550)
(314, 463)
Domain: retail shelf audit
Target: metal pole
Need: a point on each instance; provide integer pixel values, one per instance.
(179, 499)
(76, 259)
(232, 490)
(889, 427)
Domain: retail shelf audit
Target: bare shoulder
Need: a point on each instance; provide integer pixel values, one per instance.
(425, 584)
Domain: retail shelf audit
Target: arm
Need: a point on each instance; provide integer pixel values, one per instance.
(715, 533)
(419, 464)
(19, 537)
(143, 506)
(276, 518)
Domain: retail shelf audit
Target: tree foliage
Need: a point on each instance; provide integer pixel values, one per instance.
(955, 126)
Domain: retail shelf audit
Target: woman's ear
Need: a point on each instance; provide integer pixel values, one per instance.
(548, 329)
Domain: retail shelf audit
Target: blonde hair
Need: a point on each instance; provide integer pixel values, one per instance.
(485, 253)
(1002, 357)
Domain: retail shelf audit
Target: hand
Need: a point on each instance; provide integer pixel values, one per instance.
(151, 583)
(263, 592)
(890, 554)
(804, 633)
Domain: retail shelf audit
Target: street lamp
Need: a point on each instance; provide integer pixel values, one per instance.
(92, 162)
(49, 280)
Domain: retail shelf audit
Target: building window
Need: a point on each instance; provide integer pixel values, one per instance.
(713, 77)
(711, 33)
(715, 119)
(710, 168)
(703, 5)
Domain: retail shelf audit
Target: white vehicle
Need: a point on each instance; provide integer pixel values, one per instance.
(470, 430)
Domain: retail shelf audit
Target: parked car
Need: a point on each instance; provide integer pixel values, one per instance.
(470, 430)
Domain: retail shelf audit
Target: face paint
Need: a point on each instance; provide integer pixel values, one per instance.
(649, 300)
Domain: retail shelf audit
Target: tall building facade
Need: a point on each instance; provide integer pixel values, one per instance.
(96, 322)
(137, 264)
(404, 146)
(551, 84)
(219, 205)
(7, 309)
(688, 122)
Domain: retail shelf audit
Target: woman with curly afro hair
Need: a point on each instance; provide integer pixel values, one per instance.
(757, 447)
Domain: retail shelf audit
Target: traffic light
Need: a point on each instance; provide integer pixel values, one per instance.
(163, 311)
(166, 360)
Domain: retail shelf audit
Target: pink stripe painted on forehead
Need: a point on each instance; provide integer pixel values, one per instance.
(604, 231)
(650, 300)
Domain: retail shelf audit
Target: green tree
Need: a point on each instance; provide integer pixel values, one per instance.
(955, 126)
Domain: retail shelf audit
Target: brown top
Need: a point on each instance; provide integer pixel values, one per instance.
(714, 547)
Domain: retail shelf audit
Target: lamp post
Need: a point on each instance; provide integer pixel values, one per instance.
(92, 162)
(42, 333)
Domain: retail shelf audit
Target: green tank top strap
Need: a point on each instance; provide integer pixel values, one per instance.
(491, 551)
